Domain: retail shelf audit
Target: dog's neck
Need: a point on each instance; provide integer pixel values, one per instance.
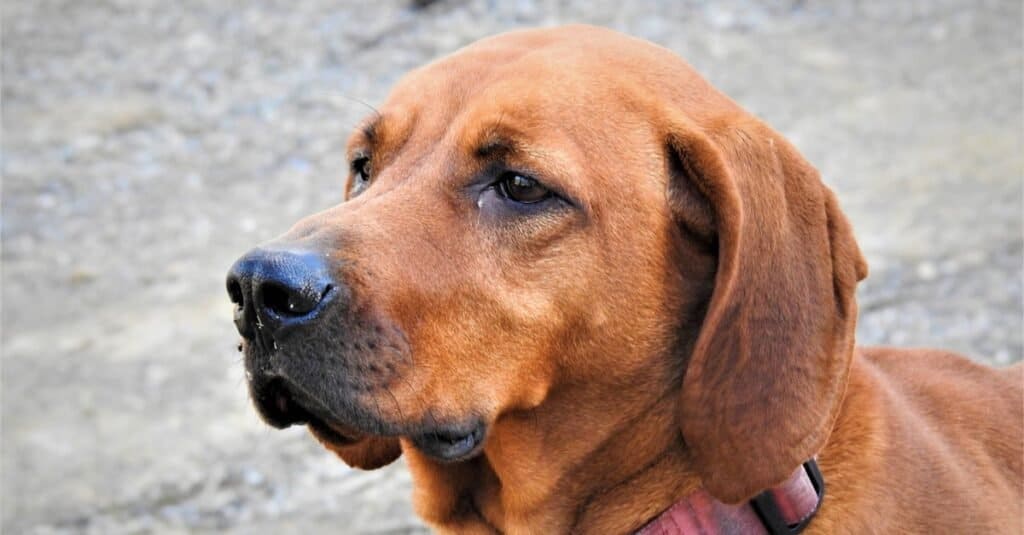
(531, 476)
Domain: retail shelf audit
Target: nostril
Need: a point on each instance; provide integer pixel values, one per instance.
(278, 299)
(235, 292)
(290, 302)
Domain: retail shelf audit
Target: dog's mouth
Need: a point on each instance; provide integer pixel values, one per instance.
(280, 408)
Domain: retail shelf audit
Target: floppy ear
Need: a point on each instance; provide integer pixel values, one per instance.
(367, 453)
(768, 371)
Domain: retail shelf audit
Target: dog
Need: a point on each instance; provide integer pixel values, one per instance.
(582, 291)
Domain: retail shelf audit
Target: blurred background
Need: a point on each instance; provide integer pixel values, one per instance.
(148, 143)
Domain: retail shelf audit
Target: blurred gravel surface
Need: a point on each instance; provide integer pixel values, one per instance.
(148, 143)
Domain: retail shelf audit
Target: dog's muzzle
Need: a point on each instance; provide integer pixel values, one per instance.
(311, 360)
(276, 291)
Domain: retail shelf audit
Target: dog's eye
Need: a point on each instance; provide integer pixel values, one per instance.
(522, 189)
(360, 174)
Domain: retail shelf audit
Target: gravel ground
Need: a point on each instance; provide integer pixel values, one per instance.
(148, 143)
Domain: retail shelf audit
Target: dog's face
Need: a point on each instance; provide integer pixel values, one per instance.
(536, 212)
(488, 248)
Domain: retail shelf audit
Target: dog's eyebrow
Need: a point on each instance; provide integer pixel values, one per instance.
(496, 140)
(495, 146)
(366, 135)
(371, 128)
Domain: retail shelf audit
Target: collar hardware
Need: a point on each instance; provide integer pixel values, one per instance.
(770, 510)
(786, 509)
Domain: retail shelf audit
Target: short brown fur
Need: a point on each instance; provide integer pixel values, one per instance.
(688, 322)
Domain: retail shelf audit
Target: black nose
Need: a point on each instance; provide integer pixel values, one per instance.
(272, 289)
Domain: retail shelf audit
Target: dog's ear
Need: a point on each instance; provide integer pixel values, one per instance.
(768, 371)
(367, 453)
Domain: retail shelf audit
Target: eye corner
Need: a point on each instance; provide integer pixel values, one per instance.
(360, 173)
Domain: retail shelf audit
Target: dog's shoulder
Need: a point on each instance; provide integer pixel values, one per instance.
(951, 403)
(926, 438)
(952, 374)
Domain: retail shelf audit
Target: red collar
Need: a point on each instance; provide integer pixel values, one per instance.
(785, 509)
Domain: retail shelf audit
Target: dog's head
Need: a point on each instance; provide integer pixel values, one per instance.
(552, 208)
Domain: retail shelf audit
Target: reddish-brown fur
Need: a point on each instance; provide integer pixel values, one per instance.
(690, 324)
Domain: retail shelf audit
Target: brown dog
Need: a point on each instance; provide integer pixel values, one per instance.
(576, 285)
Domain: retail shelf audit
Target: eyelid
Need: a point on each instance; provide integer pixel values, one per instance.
(358, 154)
(531, 164)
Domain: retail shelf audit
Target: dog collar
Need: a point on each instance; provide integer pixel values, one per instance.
(782, 510)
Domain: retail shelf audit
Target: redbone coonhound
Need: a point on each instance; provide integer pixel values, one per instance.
(583, 291)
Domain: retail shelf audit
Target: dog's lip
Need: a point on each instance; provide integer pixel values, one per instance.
(326, 429)
(282, 404)
(332, 433)
(452, 444)
(276, 405)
